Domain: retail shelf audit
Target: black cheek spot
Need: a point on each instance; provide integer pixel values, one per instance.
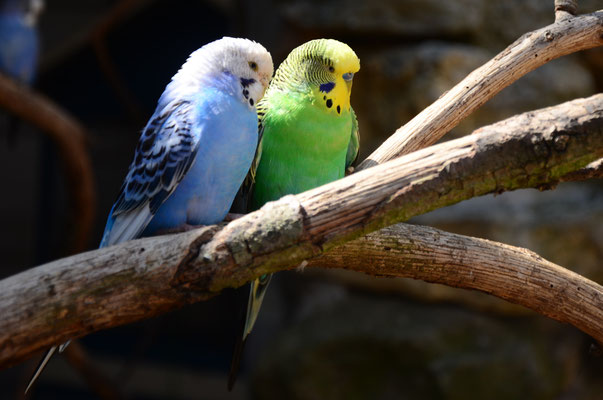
(324, 97)
(251, 102)
(246, 82)
(338, 110)
(329, 103)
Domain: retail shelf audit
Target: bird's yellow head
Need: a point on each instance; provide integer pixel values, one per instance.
(324, 66)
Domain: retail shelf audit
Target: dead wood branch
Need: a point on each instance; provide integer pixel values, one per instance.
(69, 138)
(511, 273)
(565, 36)
(100, 289)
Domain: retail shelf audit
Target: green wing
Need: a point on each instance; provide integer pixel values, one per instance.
(250, 178)
(354, 145)
(242, 201)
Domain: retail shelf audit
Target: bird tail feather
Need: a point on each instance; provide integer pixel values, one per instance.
(41, 367)
(257, 290)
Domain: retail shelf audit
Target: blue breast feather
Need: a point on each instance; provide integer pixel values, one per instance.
(190, 161)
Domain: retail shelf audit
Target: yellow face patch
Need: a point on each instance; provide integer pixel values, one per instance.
(337, 99)
(335, 95)
(322, 69)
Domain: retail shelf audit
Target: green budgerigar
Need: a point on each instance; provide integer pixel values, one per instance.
(309, 134)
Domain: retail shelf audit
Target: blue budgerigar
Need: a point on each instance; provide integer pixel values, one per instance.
(19, 47)
(197, 147)
(19, 38)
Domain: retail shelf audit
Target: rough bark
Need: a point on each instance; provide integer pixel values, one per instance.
(515, 274)
(75, 296)
(565, 36)
(594, 170)
(69, 138)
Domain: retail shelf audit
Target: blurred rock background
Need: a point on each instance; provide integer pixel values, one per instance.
(321, 334)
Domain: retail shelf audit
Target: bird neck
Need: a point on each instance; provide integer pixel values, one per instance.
(187, 85)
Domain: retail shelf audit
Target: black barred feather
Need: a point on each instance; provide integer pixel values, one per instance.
(166, 151)
(309, 63)
(164, 154)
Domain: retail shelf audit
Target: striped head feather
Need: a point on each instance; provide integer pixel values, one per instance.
(323, 67)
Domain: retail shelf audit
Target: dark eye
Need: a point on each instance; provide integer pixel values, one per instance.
(331, 69)
(253, 65)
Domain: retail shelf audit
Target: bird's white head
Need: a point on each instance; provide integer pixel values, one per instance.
(247, 61)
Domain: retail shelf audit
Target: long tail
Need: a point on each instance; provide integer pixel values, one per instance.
(47, 356)
(41, 366)
(257, 290)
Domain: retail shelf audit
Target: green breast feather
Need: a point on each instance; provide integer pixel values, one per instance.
(309, 130)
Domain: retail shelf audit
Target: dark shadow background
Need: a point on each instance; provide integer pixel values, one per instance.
(321, 334)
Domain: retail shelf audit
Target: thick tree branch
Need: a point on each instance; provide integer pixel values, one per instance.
(592, 170)
(511, 273)
(69, 138)
(112, 286)
(527, 53)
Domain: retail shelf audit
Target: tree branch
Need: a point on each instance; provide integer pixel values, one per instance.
(527, 53)
(100, 289)
(511, 273)
(69, 137)
(565, 9)
(592, 170)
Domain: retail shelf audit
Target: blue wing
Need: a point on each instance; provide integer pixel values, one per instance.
(165, 152)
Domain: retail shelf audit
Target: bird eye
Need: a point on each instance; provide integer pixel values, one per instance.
(331, 69)
(348, 76)
(253, 65)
